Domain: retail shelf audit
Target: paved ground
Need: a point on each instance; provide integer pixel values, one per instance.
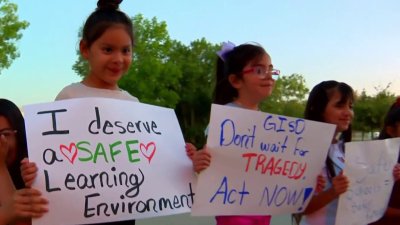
(186, 219)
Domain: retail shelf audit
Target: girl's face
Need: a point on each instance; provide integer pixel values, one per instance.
(256, 83)
(339, 113)
(109, 58)
(394, 131)
(11, 139)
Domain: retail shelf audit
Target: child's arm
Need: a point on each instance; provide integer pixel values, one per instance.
(6, 183)
(23, 204)
(340, 184)
(7, 188)
(16, 204)
(393, 213)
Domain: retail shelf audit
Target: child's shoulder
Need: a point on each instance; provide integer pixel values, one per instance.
(70, 90)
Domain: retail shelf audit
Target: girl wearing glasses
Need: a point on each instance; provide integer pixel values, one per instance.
(245, 77)
(17, 203)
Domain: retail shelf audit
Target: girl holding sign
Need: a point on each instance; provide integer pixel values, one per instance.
(107, 43)
(330, 102)
(245, 77)
(16, 206)
(391, 129)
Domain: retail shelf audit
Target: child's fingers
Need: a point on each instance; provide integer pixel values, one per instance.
(396, 172)
(201, 160)
(200, 167)
(28, 169)
(28, 172)
(190, 146)
(24, 160)
(340, 184)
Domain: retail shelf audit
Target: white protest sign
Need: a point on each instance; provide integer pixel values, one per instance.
(105, 160)
(369, 167)
(262, 164)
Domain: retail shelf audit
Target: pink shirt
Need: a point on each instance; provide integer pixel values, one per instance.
(243, 220)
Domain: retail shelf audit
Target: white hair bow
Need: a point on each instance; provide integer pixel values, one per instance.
(226, 47)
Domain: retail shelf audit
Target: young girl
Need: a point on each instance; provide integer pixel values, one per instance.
(330, 102)
(16, 206)
(107, 43)
(391, 129)
(245, 77)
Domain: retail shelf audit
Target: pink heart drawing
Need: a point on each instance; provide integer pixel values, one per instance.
(148, 150)
(69, 152)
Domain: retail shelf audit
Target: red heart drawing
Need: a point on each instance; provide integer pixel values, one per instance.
(69, 152)
(148, 150)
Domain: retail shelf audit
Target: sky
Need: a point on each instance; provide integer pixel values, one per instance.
(353, 41)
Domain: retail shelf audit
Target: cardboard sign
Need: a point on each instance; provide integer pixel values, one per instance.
(262, 164)
(106, 160)
(369, 167)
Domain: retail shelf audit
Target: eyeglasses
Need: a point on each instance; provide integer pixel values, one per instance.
(262, 72)
(7, 132)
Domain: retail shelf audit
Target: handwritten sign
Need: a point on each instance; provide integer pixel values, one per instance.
(369, 167)
(262, 164)
(106, 160)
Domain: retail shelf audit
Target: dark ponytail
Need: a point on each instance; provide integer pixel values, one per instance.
(108, 4)
(106, 15)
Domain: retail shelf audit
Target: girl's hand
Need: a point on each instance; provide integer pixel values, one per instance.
(340, 184)
(201, 160)
(396, 172)
(190, 150)
(26, 203)
(321, 183)
(28, 172)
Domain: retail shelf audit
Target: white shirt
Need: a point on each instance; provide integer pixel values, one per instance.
(79, 90)
(327, 214)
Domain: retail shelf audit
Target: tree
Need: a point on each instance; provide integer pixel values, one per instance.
(370, 111)
(198, 64)
(288, 96)
(10, 33)
(153, 76)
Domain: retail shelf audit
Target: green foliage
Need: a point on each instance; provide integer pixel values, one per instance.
(288, 96)
(198, 63)
(10, 32)
(370, 111)
(153, 76)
